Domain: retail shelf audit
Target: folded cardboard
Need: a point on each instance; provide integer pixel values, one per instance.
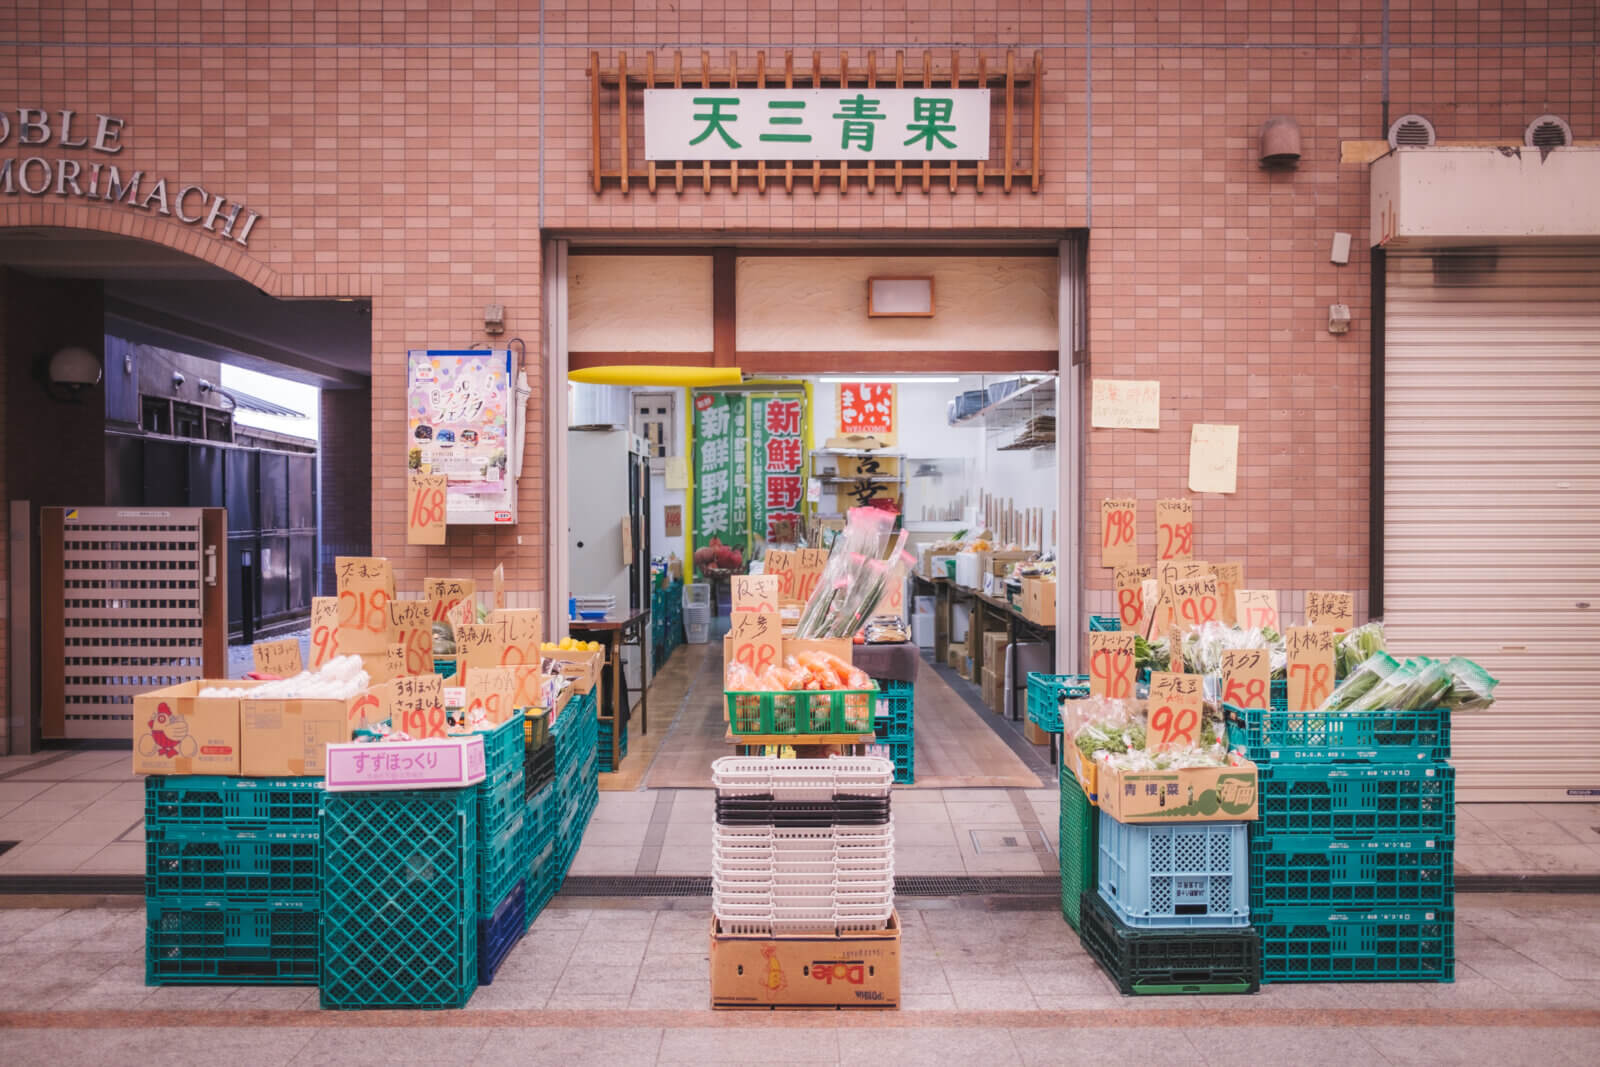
(289, 738)
(852, 970)
(993, 689)
(1193, 794)
(435, 763)
(177, 731)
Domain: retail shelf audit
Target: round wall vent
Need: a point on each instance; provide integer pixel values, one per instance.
(1547, 131)
(1411, 131)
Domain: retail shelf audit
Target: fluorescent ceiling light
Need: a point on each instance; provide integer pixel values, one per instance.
(898, 379)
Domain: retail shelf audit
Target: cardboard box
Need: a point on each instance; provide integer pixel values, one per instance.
(1039, 600)
(1002, 560)
(1196, 794)
(1035, 736)
(435, 763)
(954, 654)
(993, 690)
(853, 970)
(1085, 771)
(290, 738)
(994, 649)
(584, 668)
(176, 731)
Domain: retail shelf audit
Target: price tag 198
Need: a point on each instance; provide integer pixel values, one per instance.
(1230, 577)
(1175, 711)
(1130, 595)
(1247, 677)
(1336, 611)
(417, 705)
(1256, 608)
(1310, 666)
(425, 509)
(324, 630)
(1119, 532)
(755, 639)
(1111, 665)
(279, 658)
(1195, 600)
(1175, 528)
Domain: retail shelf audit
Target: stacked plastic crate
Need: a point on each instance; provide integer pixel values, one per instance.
(1352, 861)
(895, 727)
(605, 729)
(576, 786)
(1045, 694)
(540, 793)
(802, 846)
(233, 880)
(505, 844)
(1078, 845)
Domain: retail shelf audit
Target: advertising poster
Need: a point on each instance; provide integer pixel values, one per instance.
(719, 461)
(777, 492)
(459, 421)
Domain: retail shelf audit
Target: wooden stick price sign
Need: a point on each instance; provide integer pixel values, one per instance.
(1175, 706)
(520, 632)
(411, 622)
(1230, 579)
(1130, 595)
(1256, 608)
(1196, 600)
(755, 639)
(755, 592)
(1247, 677)
(425, 509)
(780, 564)
(1336, 611)
(278, 658)
(1160, 609)
(1119, 532)
(1111, 665)
(366, 586)
(417, 705)
(1175, 650)
(808, 571)
(493, 689)
(1175, 528)
(1310, 666)
(446, 593)
(324, 630)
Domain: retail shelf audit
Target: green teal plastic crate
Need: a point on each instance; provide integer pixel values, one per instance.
(503, 860)
(399, 905)
(1374, 871)
(220, 867)
(239, 805)
(505, 750)
(1078, 847)
(1045, 693)
(896, 704)
(1279, 736)
(836, 711)
(1108, 624)
(542, 881)
(1170, 962)
(192, 943)
(1177, 875)
(1357, 798)
(1320, 944)
(499, 804)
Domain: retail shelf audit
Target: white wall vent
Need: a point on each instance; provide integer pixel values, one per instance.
(1411, 131)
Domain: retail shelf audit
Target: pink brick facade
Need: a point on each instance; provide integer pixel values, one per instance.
(394, 152)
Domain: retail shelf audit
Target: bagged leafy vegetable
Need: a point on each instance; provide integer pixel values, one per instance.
(1358, 646)
(1361, 681)
(1471, 688)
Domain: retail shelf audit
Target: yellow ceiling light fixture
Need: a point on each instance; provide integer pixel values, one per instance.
(650, 374)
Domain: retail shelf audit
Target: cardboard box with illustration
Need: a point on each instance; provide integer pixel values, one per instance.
(852, 970)
(177, 731)
(1192, 794)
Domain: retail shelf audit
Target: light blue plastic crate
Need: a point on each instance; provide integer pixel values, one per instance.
(1176, 874)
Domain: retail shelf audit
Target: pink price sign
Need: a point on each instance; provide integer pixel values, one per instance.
(436, 763)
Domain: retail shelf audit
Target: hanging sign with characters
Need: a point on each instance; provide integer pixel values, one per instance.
(779, 461)
(461, 426)
(868, 408)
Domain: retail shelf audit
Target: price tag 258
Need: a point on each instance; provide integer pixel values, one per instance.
(1175, 711)
(1111, 665)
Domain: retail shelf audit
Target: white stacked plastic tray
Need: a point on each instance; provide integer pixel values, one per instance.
(769, 879)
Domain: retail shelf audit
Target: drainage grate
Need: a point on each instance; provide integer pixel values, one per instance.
(628, 885)
(74, 884)
(996, 841)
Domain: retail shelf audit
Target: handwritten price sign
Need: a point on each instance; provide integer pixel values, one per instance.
(372, 706)
(1196, 600)
(280, 658)
(1256, 608)
(1119, 532)
(808, 571)
(324, 630)
(1175, 528)
(494, 689)
(1160, 609)
(446, 593)
(1130, 595)
(417, 705)
(1175, 706)
(425, 509)
(411, 623)
(1111, 665)
(479, 645)
(394, 662)
(1336, 611)
(520, 632)
(1310, 666)
(366, 586)
(1246, 677)
(755, 640)
(755, 592)
(1230, 579)
(499, 587)
(780, 565)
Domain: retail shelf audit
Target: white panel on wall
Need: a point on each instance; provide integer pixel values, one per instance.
(639, 304)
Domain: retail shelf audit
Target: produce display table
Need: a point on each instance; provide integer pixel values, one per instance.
(615, 631)
(984, 607)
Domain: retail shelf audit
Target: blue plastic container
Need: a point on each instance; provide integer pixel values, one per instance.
(1183, 874)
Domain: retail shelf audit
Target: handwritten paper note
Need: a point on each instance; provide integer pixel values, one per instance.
(1310, 666)
(1125, 405)
(1111, 665)
(1119, 532)
(1256, 607)
(278, 658)
(1213, 458)
(425, 509)
(324, 630)
(1130, 595)
(1336, 611)
(1175, 706)
(755, 640)
(677, 473)
(1175, 528)
(1230, 579)
(1246, 677)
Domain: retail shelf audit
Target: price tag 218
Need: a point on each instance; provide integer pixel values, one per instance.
(1111, 665)
(1175, 711)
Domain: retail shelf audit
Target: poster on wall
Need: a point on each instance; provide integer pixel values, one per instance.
(720, 494)
(779, 458)
(459, 420)
(868, 408)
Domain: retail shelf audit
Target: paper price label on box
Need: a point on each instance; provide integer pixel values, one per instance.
(372, 706)
(1336, 611)
(1175, 528)
(425, 509)
(1119, 532)
(1310, 666)
(366, 586)
(1111, 672)
(1196, 600)
(780, 565)
(755, 592)
(417, 705)
(1256, 608)
(1230, 579)
(520, 632)
(446, 593)
(1247, 677)
(808, 571)
(324, 630)
(1175, 707)
(1130, 595)
(411, 622)
(755, 639)
(279, 658)
(494, 690)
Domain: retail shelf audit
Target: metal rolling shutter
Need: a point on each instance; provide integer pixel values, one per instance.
(1492, 500)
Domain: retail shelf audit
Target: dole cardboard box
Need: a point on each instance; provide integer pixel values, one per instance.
(290, 738)
(177, 731)
(1192, 794)
(853, 970)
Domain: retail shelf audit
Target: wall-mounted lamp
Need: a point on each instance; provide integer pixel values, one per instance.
(494, 319)
(900, 298)
(1280, 143)
(70, 371)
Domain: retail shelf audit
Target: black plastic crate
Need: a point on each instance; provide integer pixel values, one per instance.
(842, 810)
(499, 933)
(1164, 962)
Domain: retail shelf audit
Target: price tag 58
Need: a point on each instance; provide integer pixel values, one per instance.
(1246, 677)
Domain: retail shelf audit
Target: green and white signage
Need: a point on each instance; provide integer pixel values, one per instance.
(912, 125)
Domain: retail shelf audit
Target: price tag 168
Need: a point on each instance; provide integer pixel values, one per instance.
(446, 593)
(1175, 708)
(425, 509)
(1310, 666)
(1247, 677)
(1111, 665)
(411, 621)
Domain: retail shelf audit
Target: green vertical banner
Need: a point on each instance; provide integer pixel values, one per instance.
(778, 456)
(721, 496)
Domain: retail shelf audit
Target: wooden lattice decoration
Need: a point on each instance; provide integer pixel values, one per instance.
(617, 119)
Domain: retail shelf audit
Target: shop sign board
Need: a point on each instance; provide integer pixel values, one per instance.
(720, 488)
(868, 408)
(779, 458)
(459, 408)
(849, 124)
